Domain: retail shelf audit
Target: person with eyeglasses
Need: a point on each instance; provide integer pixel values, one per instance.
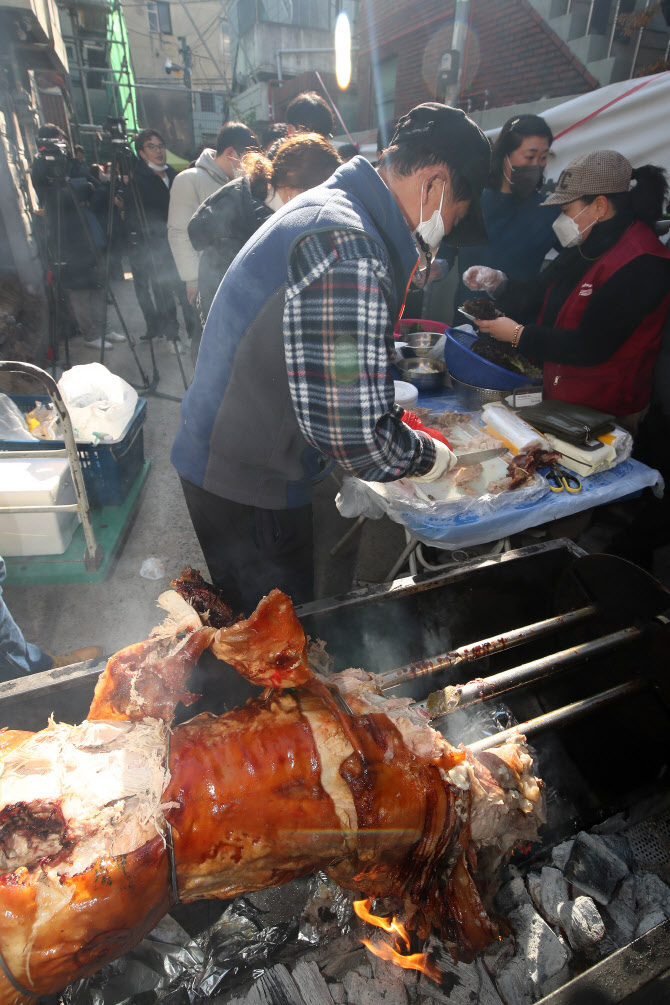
(155, 277)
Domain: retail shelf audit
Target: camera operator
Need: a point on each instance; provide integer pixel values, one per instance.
(155, 275)
(70, 226)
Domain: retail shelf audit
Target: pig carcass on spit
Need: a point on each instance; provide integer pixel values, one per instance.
(104, 825)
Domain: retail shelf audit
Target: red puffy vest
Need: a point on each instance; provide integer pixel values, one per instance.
(622, 384)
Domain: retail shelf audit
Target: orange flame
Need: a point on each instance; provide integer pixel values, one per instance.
(414, 961)
(362, 909)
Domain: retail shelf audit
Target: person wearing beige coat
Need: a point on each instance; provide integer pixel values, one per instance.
(191, 187)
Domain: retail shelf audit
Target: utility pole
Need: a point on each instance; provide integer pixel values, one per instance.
(187, 62)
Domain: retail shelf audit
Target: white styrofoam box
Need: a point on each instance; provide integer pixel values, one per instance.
(39, 482)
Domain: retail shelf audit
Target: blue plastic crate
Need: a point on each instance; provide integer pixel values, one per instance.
(109, 469)
(468, 367)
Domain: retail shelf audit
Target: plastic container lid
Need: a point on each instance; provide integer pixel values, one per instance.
(406, 394)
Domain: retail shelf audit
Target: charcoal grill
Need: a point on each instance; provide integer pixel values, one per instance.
(575, 646)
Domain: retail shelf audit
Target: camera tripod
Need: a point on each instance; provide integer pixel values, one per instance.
(122, 166)
(61, 188)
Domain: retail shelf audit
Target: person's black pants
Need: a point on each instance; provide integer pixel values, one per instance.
(154, 292)
(250, 551)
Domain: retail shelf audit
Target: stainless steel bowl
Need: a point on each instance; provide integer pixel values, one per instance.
(474, 397)
(426, 374)
(419, 344)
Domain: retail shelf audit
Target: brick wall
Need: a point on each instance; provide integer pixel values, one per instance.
(511, 52)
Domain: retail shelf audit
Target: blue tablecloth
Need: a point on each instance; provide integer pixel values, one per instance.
(465, 529)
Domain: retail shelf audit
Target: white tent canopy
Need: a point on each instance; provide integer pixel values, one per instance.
(632, 116)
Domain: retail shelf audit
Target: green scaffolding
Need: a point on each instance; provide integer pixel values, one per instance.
(122, 96)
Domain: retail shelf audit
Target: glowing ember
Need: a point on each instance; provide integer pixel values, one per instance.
(414, 961)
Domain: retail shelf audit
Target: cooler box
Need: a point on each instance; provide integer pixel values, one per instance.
(41, 482)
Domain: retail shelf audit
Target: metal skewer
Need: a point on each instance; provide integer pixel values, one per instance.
(440, 703)
(559, 717)
(475, 650)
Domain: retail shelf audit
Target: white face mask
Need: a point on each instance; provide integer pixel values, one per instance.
(567, 231)
(156, 167)
(432, 230)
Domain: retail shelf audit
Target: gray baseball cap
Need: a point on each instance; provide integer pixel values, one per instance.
(602, 172)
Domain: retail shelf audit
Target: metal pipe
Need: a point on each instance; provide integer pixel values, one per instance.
(559, 717)
(590, 17)
(613, 32)
(55, 508)
(637, 45)
(475, 650)
(448, 699)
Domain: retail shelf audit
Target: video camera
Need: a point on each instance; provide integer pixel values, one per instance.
(115, 130)
(54, 156)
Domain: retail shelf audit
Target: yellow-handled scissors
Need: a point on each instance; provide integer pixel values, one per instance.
(562, 480)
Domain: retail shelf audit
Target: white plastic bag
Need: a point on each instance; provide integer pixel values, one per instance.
(12, 421)
(100, 403)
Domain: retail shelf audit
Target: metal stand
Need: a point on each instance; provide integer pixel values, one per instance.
(122, 163)
(94, 554)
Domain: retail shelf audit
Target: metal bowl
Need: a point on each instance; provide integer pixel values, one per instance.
(419, 344)
(426, 374)
(474, 397)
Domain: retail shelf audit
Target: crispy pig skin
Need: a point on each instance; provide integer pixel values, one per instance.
(147, 680)
(103, 913)
(290, 783)
(269, 648)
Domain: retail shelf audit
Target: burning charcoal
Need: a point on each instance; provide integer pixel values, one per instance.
(515, 985)
(582, 923)
(619, 846)
(386, 970)
(462, 983)
(363, 991)
(593, 868)
(311, 985)
(337, 993)
(341, 963)
(554, 891)
(512, 895)
(652, 894)
(649, 920)
(620, 922)
(534, 887)
(627, 892)
(498, 955)
(543, 953)
(274, 985)
(560, 854)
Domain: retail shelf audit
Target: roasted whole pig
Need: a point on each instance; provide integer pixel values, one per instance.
(105, 825)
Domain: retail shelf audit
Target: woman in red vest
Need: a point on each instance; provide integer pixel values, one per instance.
(601, 305)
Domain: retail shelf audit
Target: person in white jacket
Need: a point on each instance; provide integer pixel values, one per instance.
(212, 169)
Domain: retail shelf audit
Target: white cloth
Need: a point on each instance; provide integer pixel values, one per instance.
(189, 190)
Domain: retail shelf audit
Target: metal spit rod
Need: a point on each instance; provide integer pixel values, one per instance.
(559, 717)
(475, 650)
(440, 703)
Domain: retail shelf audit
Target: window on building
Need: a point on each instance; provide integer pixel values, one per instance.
(207, 102)
(96, 57)
(158, 12)
(246, 15)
